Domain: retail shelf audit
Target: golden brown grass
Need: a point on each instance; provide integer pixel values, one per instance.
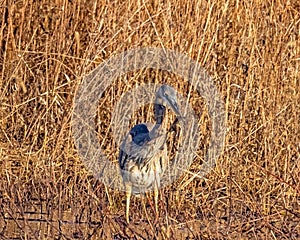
(252, 51)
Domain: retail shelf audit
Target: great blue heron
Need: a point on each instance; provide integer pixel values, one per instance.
(143, 153)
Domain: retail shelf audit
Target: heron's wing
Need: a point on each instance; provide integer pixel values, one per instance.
(130, 153)
(124, 155)
(141, 154)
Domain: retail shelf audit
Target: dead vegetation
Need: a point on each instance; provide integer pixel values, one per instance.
(251, 49)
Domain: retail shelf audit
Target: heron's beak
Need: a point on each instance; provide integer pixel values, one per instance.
(175, 108)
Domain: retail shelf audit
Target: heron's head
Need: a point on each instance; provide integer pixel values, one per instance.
(166, 96)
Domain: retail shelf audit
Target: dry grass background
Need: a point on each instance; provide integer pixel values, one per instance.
(252, 51)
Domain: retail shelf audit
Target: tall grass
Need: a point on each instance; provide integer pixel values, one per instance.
(252, 51)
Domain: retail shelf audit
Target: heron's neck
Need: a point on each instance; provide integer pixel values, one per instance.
(159, 111)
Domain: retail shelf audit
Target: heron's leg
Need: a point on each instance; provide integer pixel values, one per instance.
(156, 201)
(128, 189)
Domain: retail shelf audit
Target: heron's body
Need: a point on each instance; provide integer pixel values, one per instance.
(143, 153)
(142, 159)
